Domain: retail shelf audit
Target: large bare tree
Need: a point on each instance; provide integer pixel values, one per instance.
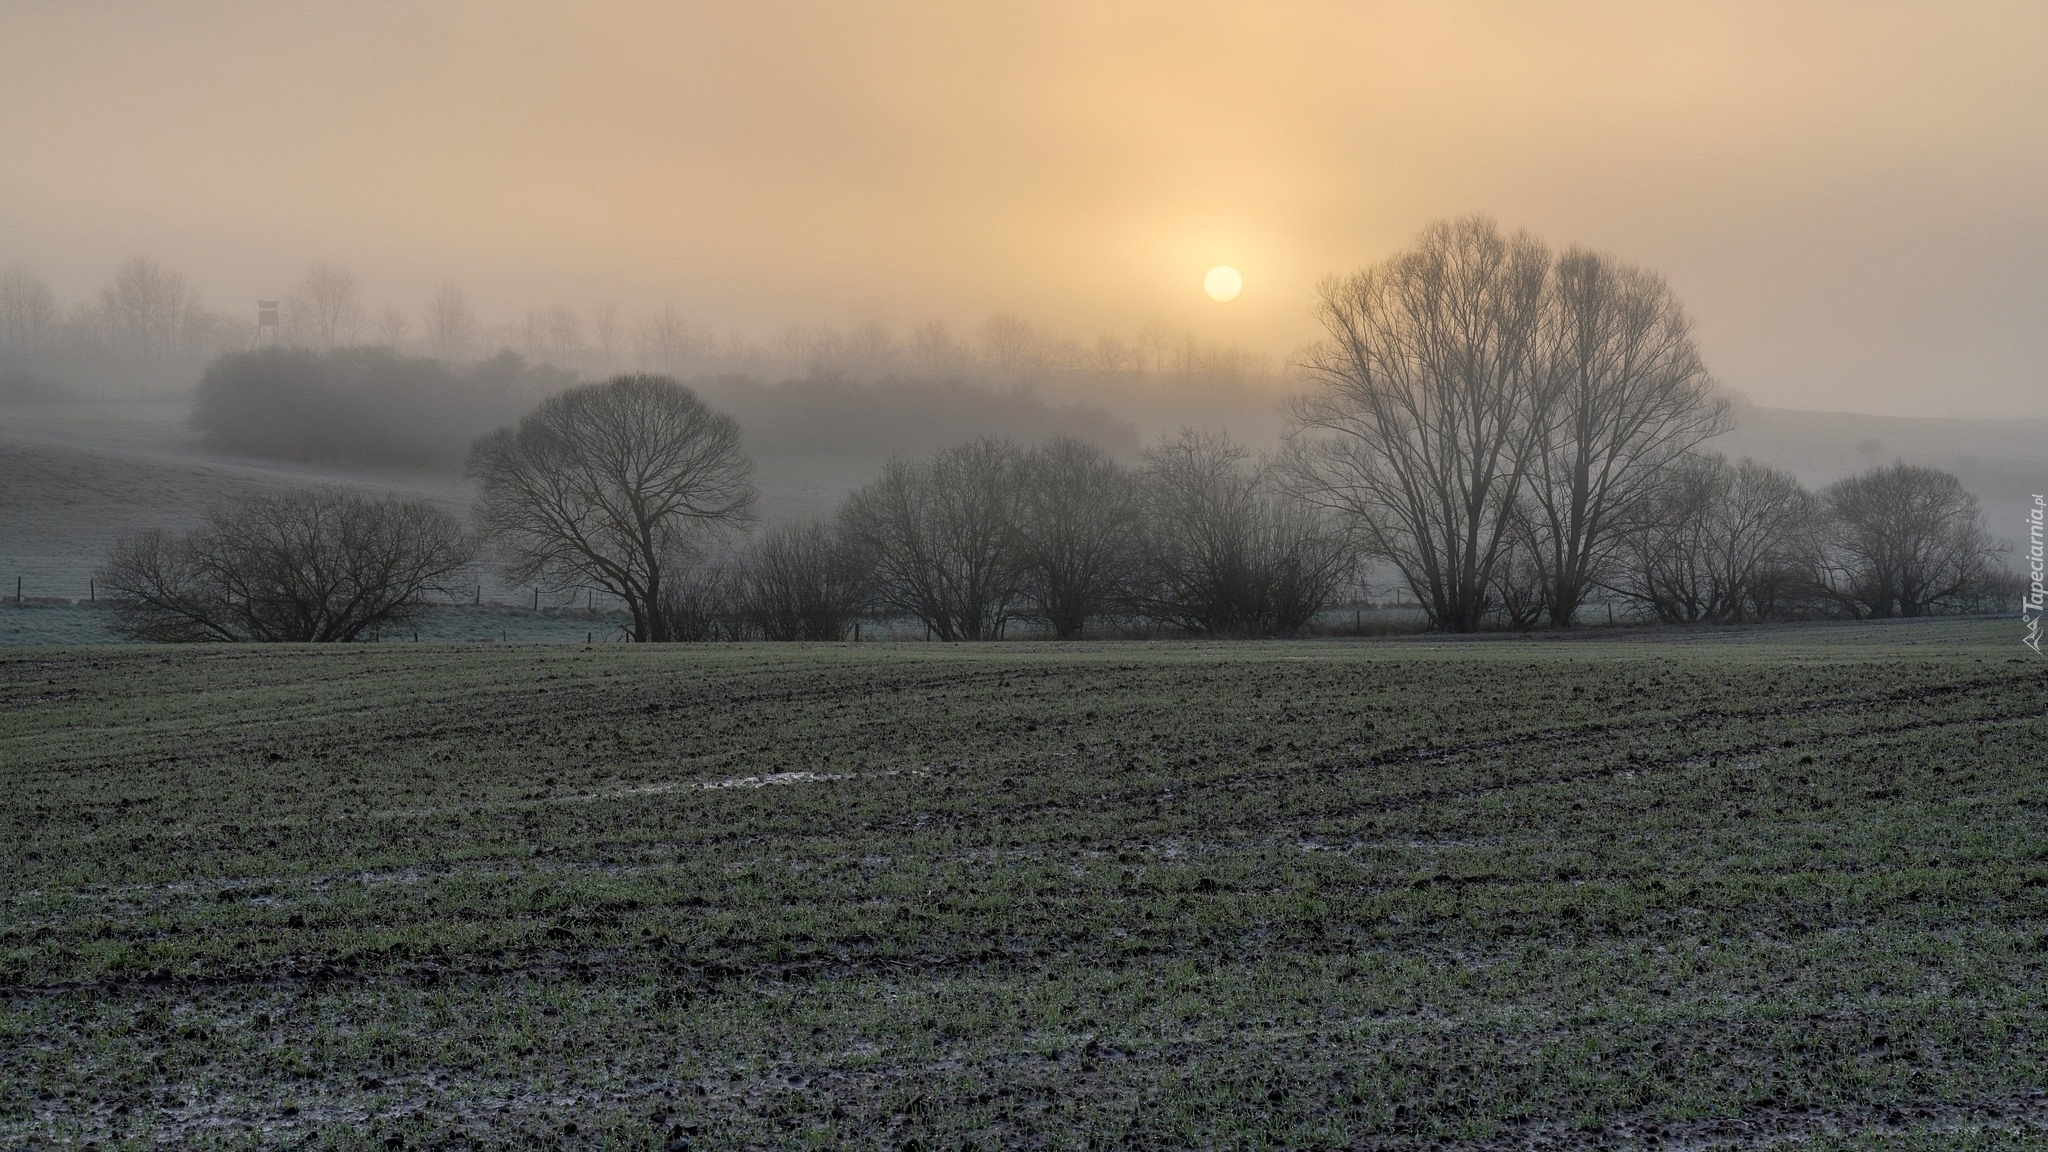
(308, 565)
(614, 485)
(1625, 395)
(1903, 540)
(1426, 406)
(941, 538)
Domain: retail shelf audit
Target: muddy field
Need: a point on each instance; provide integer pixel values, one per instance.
(1745, 889)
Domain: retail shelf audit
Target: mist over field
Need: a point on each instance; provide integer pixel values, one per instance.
(889, 575)
(873, 234)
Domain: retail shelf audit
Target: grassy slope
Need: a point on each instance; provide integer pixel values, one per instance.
(1142, 895)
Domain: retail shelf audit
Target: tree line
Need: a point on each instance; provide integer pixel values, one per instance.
(151, 326)
(1513, 432)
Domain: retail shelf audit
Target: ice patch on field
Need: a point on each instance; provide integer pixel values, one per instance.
(776, 778)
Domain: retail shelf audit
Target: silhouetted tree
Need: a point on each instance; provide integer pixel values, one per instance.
(1428, 406)
(1009, 343)
(149, 312)
(803, 582)
(28, 309)
(393, 326)
(614, 485)
(941, 538)
(325, 312)
(1902, 540)
(1624, 395)
(1077, 518)
(1225, 550)
(451, 327)
(309, 565)
(1720, 543)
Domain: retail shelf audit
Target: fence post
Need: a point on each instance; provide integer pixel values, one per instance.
(536, 599)
(92, 591)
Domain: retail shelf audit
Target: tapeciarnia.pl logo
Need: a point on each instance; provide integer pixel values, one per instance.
(2032, 607)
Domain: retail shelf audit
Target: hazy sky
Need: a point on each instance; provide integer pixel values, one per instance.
(1852, 198)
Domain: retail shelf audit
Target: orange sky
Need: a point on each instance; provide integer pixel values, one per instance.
(1850, 197)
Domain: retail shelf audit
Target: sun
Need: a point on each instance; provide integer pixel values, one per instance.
(1223, 283)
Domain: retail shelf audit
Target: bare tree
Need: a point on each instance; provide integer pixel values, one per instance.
(1902, 540)
(1427, 405)
(28, 309)
(789, 346)
(1111, 355)
(1719, 542)
(325, 312)
(393, 326)
(451, 327)
(529, 335)
(932, 348)
(826, 349)
(1061, 354)
(607, 327)
(665, 342)
(613, 485)
(564, 335)
(1225, 550)
(1156, 342)
(872, 348)
(803, 582)
(309, 565)
(1077, 513)
(941, 538)
(1625, 394)
(1009, 343)
(148, 310)
(703, 597)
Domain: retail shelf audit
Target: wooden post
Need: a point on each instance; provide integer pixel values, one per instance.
(479, 592)
(589, 638)
(536, 599)
(589, 600)
(92, 590)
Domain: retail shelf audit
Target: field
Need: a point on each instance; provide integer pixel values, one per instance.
(1750, 888)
